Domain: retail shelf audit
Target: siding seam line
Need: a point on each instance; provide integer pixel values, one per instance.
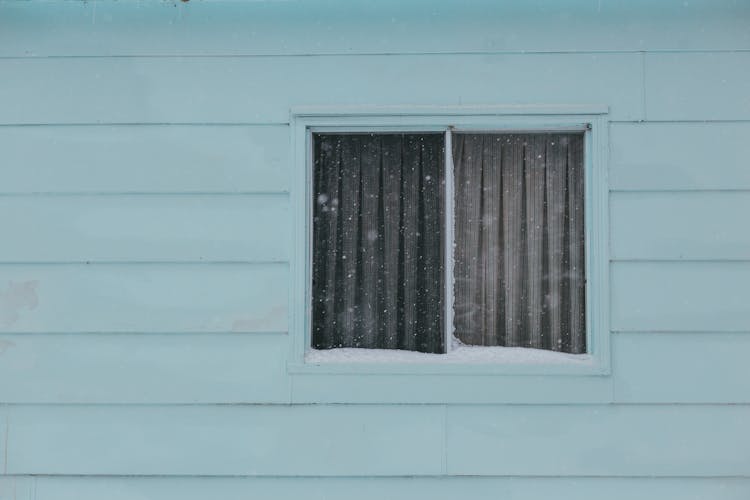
(707, 260)
(683, 121)
(291, 383)
(175, 333)
(377, 477)
(643, 87)
(186, 262)
(103, 194)
(283, 402)
(680, 332)
(6, 434)
(286, 123)
(300, 55)
(146, 124)
(445, 440)
(677, 190)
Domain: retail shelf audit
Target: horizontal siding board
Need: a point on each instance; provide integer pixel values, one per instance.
(142, 369)
(226, 440)
(434, 488)
(455, 389)
(16, 488)
(338, 440)
(680, 296)
(145, 228)
(267, 27)
(4, 432)
(699, 86)
(679, 156)
(598, 440)
(168, 298)
(681, 367)
(683, 225)
(263, 89)
(144, 159)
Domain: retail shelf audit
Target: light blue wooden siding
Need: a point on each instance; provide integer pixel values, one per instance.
(147, 298)
(145, 368)
(697, 86)
(145, 177)
(145, 159)
(166, 90)
(598, 441)
(702, 367)
(138, 228)
(372, 488)
(684, 225)
(313, 440)
(679, 156)
(390, 27)
(681, 296)
(373, 440)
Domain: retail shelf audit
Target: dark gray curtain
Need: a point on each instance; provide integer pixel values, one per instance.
(519, 232)
(378, 245)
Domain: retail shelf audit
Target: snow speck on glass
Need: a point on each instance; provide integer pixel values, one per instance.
(458, 247)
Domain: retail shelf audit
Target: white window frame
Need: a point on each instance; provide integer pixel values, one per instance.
(486, 119)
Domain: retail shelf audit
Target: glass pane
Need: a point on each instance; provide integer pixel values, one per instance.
(519, 231)
(377, 273)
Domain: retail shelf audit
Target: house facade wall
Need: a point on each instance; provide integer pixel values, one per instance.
(146, 319)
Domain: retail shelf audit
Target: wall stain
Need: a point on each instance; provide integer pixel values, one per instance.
(4, 346)
(18, 296)
(259, 323)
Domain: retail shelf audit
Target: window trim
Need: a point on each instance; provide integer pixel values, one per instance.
(592, 120)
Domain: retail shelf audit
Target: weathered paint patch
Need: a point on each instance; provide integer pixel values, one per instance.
(19, 296)
(5, 345)
(275, 316)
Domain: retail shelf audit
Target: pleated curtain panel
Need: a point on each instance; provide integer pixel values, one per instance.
(379, 241)
(519, 254)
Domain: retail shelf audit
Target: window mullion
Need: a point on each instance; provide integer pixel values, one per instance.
(449, 238)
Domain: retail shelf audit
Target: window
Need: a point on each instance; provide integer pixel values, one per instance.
(381, 215)
(452, 232)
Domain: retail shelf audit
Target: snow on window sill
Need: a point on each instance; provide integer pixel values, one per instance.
(462, 360)
(459, 355)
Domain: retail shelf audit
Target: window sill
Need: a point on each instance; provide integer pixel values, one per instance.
(446, 382)
(462, 361)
